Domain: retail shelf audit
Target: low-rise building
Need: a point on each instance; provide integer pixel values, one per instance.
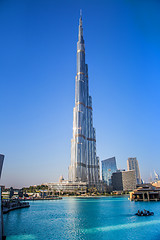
(145, 192)
(68, 187)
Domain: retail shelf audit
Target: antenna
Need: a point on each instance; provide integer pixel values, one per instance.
(80, 12)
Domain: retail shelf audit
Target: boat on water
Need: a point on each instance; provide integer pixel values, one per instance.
(144, 213)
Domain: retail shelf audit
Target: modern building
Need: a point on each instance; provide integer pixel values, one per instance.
(98, 160)
(132, 164)
(108, 167)
(71, 188)
(124, 181)
(84, 165)
(1, 163)
(67, 187)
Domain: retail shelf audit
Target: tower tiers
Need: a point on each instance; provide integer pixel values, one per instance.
(84, 165)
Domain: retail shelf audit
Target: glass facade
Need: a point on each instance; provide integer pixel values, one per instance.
(108, 167)
(1, 163)
(84, 165)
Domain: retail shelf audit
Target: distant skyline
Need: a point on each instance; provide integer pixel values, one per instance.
(38, 68)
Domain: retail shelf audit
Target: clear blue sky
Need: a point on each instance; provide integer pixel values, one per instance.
(37, 78)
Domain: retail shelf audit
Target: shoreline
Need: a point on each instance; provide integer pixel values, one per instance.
(39, 199)
(98, 196)
(7, 210)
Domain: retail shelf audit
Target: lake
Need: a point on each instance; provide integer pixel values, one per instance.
(109, 218)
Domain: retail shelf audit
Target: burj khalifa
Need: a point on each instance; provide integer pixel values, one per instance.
(84, 165)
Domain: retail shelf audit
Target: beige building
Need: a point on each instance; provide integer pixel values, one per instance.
(156, 184)
(145, 192)
(132, 164)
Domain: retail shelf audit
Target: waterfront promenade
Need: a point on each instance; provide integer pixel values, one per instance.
(10, 205)
(108, 218)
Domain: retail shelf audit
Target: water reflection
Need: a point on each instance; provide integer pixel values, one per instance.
(82, 219)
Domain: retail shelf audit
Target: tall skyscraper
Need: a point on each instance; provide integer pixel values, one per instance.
(108, 167)
(132, 164)
(84, 165)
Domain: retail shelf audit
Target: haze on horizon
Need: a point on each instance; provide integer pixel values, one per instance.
(38, 68)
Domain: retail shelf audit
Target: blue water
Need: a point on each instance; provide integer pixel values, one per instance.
(109, 218)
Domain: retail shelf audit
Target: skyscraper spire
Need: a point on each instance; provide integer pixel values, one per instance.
(80, 12)
(80, 20)
(84, 162)
(80, 37)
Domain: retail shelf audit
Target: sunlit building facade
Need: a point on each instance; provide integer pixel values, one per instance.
(132, 164)
(109, 166)
(84, 166)
(124, 180)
